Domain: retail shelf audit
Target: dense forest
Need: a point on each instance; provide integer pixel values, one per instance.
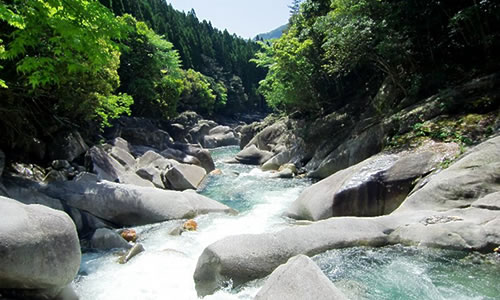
(335, 51)
(78, 64)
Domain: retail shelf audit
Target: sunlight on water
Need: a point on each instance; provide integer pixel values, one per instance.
(165, 270)
(399, 272)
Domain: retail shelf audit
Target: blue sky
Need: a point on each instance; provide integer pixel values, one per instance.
(246, 18)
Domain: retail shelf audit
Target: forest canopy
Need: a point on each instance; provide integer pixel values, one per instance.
(334, 49)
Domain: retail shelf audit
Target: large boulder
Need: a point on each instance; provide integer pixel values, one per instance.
(39, 248)
(243, 258)
(474, 176)
(28, 192)
(183, 177)
(220, 136)
(350, 152)
(377, 186)
(67, 146)
(152, 137)
(269, 137)
(251, 155)
(203, 155)
(453, 209)
(129, 205)
(107, 239)
(108, 168)
(299, 279)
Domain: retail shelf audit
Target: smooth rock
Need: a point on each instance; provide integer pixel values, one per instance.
(277, 161)
(251, 155)
(472, 177)
(122, 144)
(299, 279)
(108, 168)
(374, 187)
(129, 205)
(182, 177)
(490, 201)
(106, 239)
(203, 155)
(60, 164)
(243, 258)
(269, 137)
(39, 248)
(134, 251)
(351, 152)
(123, 157)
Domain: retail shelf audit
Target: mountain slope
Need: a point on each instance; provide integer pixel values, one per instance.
(273, 34)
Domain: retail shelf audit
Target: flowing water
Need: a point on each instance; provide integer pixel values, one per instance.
(165, 269)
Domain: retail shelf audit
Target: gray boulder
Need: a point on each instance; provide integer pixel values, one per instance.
(220, 136)
(374, 187)
(299, 279)
(108, 168)
(351, 152)
(39, 248)
(251, 155)
(107, 239)
(183, 177)
(277, 161)
(455, 208)
(67, 146)
(243, 258)
(269, 137)
(129, 205)
(203, 155)
(144, 136)
(28, 193)
(123, 157)
(474, 176)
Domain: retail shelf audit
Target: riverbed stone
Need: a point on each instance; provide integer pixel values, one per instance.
(374, 187)
(220, 136)
(130, 205)
(39, 248)
(251, 155)
(183, 177)
(471, 178)
(107, 239)
(108, 168)
(243, 258)
(123, 157)
(299, 279)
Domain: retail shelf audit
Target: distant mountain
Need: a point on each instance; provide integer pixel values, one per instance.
(274, 34)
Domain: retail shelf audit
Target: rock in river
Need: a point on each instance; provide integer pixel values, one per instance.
(39, 250)
(299, 279)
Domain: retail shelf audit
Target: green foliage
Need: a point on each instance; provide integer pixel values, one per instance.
(203, 48)
(150, 71)
(198, 94)
(344, 49)
(60, 61)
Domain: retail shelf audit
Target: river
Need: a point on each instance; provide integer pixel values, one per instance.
(165, 270)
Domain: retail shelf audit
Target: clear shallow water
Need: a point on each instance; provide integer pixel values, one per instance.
(398, 272)
(165, 269)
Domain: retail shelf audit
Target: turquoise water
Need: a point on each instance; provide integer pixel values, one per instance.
(398, 272)
(165, 270)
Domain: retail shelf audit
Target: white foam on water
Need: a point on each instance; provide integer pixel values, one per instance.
(165, 270)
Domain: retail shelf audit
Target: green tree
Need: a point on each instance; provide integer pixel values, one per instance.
(150, 71)
(60, 61)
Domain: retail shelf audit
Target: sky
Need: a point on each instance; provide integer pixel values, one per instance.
(246, 18)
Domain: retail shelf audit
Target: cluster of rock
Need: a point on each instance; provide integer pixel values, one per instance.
(191, 128)
(140, 176)
(456, 208)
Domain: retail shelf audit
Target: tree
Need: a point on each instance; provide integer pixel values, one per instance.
(60, 62)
